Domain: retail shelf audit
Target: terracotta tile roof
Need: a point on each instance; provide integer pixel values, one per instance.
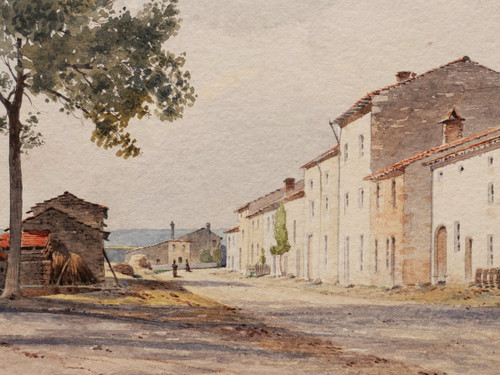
(365, 101)
(66, 195)
(276, 196)
(324, 156)
(33, 238)
(404, 163)
(233, 229)
(465, 150)
(295, 194)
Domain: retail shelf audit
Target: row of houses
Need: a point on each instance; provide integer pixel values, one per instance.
(405, 197)
(62, 243)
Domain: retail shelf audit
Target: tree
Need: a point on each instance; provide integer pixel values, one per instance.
(108, 65)
(280, 235)
(262, 259)
(217, 256)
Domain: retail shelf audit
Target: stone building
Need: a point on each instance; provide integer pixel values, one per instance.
(189, 246)
(65, 225)
(88, 213)
(378, 227)
(256, 224)
(35, 259)
(69, 235)
(232, 253)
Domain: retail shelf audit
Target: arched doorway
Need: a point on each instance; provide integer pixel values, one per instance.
(440, 254)
(468, 259)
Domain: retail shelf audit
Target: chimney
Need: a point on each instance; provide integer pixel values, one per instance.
(452, 126)
(404, 76)
(208, 227)
(172, 228)
(289, 184)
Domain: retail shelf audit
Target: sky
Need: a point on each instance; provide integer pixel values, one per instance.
(269, 76)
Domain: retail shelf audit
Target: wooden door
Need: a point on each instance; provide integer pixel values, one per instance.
(440, 255)
(468, 259)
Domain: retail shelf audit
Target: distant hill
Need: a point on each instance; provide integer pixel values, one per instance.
(123, 240)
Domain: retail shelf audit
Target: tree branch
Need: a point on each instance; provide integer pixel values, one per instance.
(66, 99)
(5, 101)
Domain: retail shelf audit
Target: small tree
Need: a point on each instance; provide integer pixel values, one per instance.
(263, 257)
(217, 256)
(206, 257)
(280, 235)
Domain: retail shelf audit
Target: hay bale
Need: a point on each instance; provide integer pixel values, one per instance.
(139, 261)
(70, 270)
(124, 269)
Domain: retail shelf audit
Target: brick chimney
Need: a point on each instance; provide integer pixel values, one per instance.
(172, 229)
(289, 184)
(208, 227)
(404, 76)
(452, 126)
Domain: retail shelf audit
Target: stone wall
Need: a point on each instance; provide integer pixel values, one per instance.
(68, 235)
(405, 119)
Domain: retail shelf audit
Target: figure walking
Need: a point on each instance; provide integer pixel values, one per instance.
(174, 268)
(188, 269)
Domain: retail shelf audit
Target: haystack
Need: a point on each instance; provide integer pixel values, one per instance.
(124, 269)
(70, 270)
(139, 261)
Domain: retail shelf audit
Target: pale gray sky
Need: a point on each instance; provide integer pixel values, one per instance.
(269, 75)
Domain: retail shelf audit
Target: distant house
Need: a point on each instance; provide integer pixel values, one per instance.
(189, 246)
(65, 230)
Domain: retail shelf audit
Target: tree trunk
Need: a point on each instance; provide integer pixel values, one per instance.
(12, 284)
(12, 281)
(281, 268)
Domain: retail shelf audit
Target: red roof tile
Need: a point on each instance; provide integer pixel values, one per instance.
(403, 163)
(367, 99)
(3, 256)
(233, 229)
(324, 156)
(32, 238)
(465, 150)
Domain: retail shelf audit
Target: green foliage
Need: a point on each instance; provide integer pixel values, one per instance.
(280, 234)
(108, 64)
(206, 257)
(262, 259)
(217, 256)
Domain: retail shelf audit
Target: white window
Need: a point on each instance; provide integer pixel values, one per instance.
(440, 175)
(461, 169)
(311, 208)
(490, 161)
(346, 152)
(491, 193)
(361, 146)
(346, 202)
(311, 185)
(393, 193)
(361, 245)
(268, 224)
(387, 254)
(377, 196)
(361, 197)
(457, 236)
(376, 255)
(327, 178)
(490, 250)
(326, 205)
(326, 249)
(295, 231)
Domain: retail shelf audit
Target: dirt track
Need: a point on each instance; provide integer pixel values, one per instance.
(279, 329)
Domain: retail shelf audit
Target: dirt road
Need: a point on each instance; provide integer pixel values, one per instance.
(283, 327)
(454, 339)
